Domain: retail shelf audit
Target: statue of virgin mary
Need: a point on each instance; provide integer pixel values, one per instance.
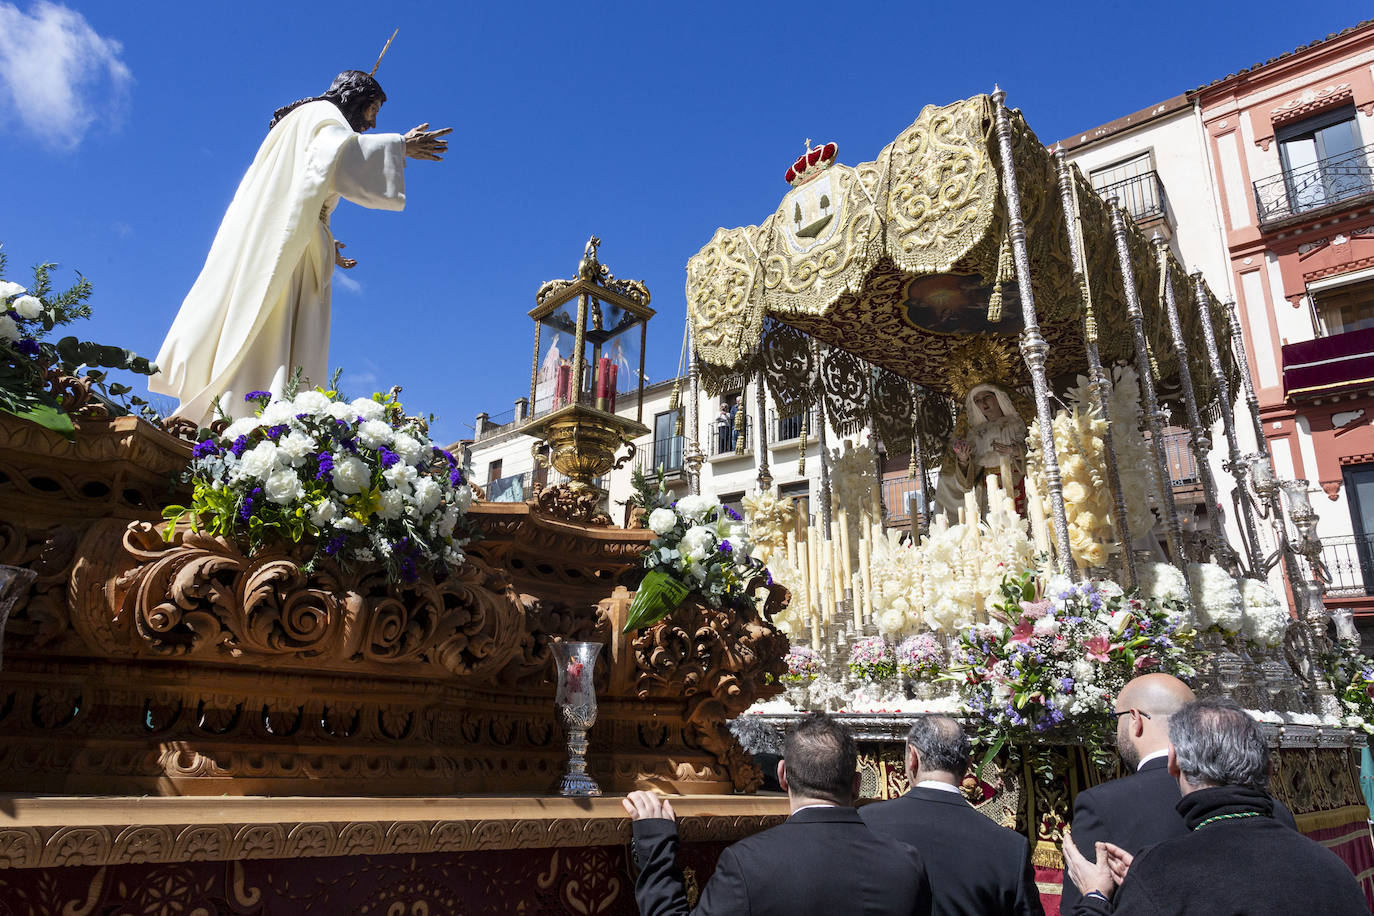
(995, 443)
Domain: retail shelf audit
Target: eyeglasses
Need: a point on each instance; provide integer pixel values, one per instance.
(1127, 712)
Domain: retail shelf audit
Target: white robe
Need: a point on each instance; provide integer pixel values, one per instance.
(260, 306)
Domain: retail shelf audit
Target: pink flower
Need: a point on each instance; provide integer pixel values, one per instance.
(1097, 648)
(1146, 662)
(1024, 631)
(1034, 609)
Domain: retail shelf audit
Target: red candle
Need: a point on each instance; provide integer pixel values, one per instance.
(611, 387)
(562, 387)
(603, 376)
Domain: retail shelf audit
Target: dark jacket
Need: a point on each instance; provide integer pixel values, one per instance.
(975, 867)
(1133, 812)
(820, 860)
(1235, 860)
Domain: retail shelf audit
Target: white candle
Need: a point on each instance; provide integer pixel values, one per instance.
(1036, 510)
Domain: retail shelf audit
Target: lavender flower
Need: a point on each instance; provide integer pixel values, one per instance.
(276, 432)
(326, 471)
(725, 547)
(389, 457)
(334, 545)
(455, 477)
(205, 449)
(257, 396)
(27, 346)
(246, 512)
(240, 444)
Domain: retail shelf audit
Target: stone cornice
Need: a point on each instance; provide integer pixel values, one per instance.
(66, 831)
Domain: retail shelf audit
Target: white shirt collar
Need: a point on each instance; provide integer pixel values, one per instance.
(937, 784)
(816, 805)
(1148, 757)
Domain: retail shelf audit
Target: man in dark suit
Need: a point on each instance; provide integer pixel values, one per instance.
(822, 860)
(1138, 810)
(976, 868)
(1234, 856)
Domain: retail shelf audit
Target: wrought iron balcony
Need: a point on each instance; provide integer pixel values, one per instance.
(1312, 187)
(788, 429)
(724, 439)
(900, 499)
(661, 453)
(1142, 196)
(1349, 562)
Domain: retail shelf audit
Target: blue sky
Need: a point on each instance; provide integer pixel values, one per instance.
(127, 127)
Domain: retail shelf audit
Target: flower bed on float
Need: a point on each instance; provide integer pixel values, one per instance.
(359, 479)
(701, 547)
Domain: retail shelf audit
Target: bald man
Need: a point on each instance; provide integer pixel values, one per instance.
(1138, 810)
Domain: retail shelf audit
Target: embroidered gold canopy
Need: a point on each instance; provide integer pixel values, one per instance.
(905, 263)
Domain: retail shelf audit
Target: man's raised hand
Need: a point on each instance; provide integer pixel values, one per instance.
(423, 143)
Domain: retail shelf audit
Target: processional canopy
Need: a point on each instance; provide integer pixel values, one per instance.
(905, 264)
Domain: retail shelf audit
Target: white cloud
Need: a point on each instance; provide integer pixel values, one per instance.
(57, 74)
(347, 282)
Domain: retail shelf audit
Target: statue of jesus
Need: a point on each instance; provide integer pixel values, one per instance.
(260, 306)
(995, 444)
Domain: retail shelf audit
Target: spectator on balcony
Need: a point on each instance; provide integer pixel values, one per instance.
(724, 429)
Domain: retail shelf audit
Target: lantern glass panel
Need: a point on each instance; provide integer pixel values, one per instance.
(553, 386)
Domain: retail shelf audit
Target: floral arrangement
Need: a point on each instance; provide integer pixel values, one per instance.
(28, 358)
(802, 665)
(920, 656)
(1351, 676)
(872, 658)
(945, 582)
(1266, 618)
(1217, 601)
(700, 547)
(1057, 653)
(358, 478)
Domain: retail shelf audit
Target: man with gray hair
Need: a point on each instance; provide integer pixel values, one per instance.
(1236, 857)
(975, 867)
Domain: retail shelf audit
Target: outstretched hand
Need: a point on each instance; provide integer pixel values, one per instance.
(643, 805)
(340, 260)
(423, 143)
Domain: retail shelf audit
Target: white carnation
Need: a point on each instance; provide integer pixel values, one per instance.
(661, 521)
(368, 409)
(427, 495)
(400, 476)
(27, 306)
(374, 433)
(340, 410)
(8, 329)
(325, 513)
(296, 447)
(312, 402)
(283, 486)
(348, 523)
(277, 413)
(350, 474)
(411, 450)
(1046, 626)
(462, 497)
(241, 427)
(9, 288)
(447, 522)
(390, 504)
(697, 543)
(697, 507)
(259, 462)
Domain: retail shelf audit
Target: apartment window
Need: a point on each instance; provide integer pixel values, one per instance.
(1345, 308)
(1322, 160)
(494, 471)
(1134, 183)
(667, 446)
(800, 494)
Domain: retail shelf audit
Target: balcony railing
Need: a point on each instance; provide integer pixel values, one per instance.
(1141, 195)
(664, 453)
(513, 488)
(724, 439)
(1349, 562)
(901, 497)
(1311, 187)
(787, 428)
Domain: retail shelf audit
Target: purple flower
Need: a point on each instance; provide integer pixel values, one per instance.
(239, 445)
(389, 457)
(1066, 685)
(767, 577)
(334, 545)
(15, 315)
(732, 513)
(246, 512)
(276, 432)
(257, 396)
(326, 471)
(205, 449)
(725, 547)
(455, 477)
(447, 456)
(27, 345)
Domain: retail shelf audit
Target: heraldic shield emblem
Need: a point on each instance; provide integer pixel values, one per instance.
(812, 210)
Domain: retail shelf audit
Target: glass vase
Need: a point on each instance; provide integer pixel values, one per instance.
(576, 699)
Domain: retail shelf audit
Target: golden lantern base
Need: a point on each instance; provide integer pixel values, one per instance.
(583, 442)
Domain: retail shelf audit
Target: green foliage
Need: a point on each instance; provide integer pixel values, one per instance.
(28, 358)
